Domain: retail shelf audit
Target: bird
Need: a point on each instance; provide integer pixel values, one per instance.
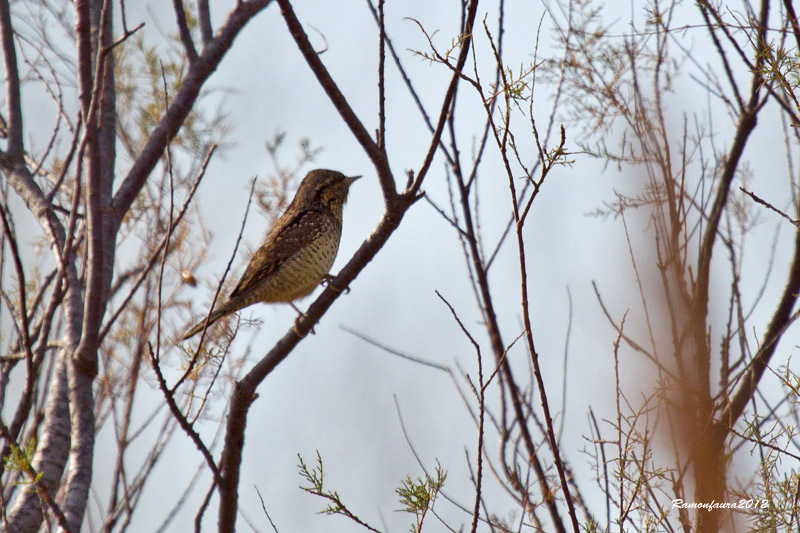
(297, 253)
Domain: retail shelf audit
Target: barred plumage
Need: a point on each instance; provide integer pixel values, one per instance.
(299, 250)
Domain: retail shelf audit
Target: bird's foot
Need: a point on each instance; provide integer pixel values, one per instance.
(301, 315)
(326, 282)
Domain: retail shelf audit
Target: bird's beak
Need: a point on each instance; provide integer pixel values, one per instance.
(350, 180)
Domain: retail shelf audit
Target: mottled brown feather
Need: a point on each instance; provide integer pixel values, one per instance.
(297, 252)
(280, 245)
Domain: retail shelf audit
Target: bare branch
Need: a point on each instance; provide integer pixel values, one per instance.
(376, 153)
(183, 102)
(204, 16)
(15, 147)
(183, 30)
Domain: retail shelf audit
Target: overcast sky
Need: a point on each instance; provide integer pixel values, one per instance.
(344, 397)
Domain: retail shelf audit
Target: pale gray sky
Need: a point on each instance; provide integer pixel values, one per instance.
(338, 394)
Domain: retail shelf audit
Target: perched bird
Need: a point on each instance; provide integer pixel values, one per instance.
(299, 250)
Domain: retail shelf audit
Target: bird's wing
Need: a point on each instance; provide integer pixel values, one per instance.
(286, 238)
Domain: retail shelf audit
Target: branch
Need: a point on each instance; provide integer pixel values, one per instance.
(23, 328)
(376, 154)
(82, 367)
(156, 253)
(781, 320)
(177, 414)
(480, 394)
(466, 44)
(407, 80)
(746, 125)
(204, 17)
(244, 391)
(179, 109)
(769, 206)
(487, 305)
(15, 147)
(381, 77)
(183, 31)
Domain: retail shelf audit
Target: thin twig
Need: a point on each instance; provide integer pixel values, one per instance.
(768, 205)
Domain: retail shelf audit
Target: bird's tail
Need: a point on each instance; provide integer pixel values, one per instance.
(216, 315)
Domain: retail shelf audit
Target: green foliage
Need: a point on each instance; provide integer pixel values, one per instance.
(434, 56)
(21, 460)
(315, 477)
(781, 67)
(515, 88)
(418, 496)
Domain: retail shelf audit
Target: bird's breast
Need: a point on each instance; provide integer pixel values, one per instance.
(300, 273)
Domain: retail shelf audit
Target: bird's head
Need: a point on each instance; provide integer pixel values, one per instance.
(325, 189)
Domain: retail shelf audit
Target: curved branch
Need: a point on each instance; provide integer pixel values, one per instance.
(375, 153)
(180, 107)
(244, 391)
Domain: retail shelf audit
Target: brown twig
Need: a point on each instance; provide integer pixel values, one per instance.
(397, 205)
(183, 31)
(768, 205)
